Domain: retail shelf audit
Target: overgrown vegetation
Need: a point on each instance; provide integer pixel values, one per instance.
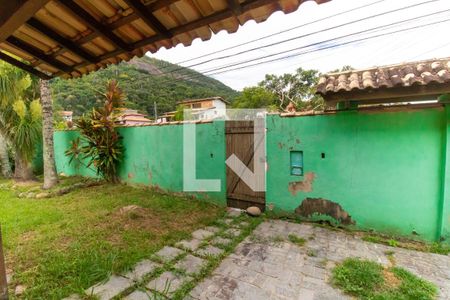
(20, 120)
(64, 245)
(436, 247)
(285, 92)
(143, 85)
(100, 143)
(296, 240)
(369, 280)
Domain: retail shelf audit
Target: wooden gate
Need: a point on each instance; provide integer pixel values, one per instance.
(240, 142)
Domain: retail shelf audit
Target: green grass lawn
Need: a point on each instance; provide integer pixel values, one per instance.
(62, 245)
(369, 280)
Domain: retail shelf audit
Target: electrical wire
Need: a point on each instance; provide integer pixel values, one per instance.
(319, 43)
(278, 33)
(218, 70)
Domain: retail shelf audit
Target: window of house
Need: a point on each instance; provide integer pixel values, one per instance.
(197, 105)
(297, 163)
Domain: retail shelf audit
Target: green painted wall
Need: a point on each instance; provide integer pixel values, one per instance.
(445, 198)
(62, 141)
(386, 169)
(38, 160)
(154, 156)
(383, 168)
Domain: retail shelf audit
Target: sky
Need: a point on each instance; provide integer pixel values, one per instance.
(411, 45)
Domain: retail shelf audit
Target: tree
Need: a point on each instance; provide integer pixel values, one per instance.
(101, 143)
(20, 117)
(22, 125)
(9, 90)
(4, 158)
(50, 176)
(179, 113)
(298, 88)
(143, 85)
(343, 69)
(255, 97)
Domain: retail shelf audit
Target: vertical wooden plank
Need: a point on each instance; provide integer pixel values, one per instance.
(240, 141)
(3, 281)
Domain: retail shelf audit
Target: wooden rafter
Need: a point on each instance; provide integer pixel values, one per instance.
(13, 13)
(95, 25)
(23, 66)
(235, 6)
(66, 43)
(48, 59)
(215, 17)
(161, 4)
(147, 16)
(73, 17)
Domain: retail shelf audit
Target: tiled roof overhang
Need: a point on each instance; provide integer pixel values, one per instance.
(69, 38)
(413, 81)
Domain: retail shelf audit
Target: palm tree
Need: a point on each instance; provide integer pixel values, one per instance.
(8, 90)
(22, 125)
(20, 118)
(4, 158)
(50, 176)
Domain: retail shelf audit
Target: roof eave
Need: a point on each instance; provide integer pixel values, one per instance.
(390, 95)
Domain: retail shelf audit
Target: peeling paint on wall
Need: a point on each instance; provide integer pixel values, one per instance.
(305, 185)
(312, 206)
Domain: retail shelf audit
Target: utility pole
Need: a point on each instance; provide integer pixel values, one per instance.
(3, 281)
(155, 111)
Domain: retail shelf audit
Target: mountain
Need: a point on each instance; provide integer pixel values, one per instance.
(145, 81)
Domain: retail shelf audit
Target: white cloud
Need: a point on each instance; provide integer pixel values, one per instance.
(427, 42)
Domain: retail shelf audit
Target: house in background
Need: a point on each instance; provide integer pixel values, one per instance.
(131, 117)
(206, 108)
(200, 109)
(66, 115)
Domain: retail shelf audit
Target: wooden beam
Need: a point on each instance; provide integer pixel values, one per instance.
(235, 6)
(215, 17)
(39, 54)
(161, 4)
(23, 66)
(13, 13)
(95, 25)
(66, 43)
(3, 281)
(147, 16)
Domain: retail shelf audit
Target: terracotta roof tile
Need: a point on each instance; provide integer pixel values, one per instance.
(70, 38)
(422, 73)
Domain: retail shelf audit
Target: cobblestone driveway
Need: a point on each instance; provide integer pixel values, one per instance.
(266, 266)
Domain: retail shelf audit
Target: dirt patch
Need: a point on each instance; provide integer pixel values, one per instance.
(26, 183)
(390, 279)
(27, 237)
(133, 210)
(302, 186)
(311, 206)
(134, 218)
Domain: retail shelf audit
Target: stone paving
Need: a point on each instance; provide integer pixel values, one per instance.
(263, 266)
(267, 266)
(161, 276)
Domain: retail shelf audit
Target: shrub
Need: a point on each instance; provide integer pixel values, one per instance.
(100, 142)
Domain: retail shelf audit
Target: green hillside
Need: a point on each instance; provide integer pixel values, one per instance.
(145, 81)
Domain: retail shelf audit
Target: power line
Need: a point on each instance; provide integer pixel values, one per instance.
(301, 36)
(279, 32)
(335, 46)
(310, 51)
(311, 33)
(319, 43)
